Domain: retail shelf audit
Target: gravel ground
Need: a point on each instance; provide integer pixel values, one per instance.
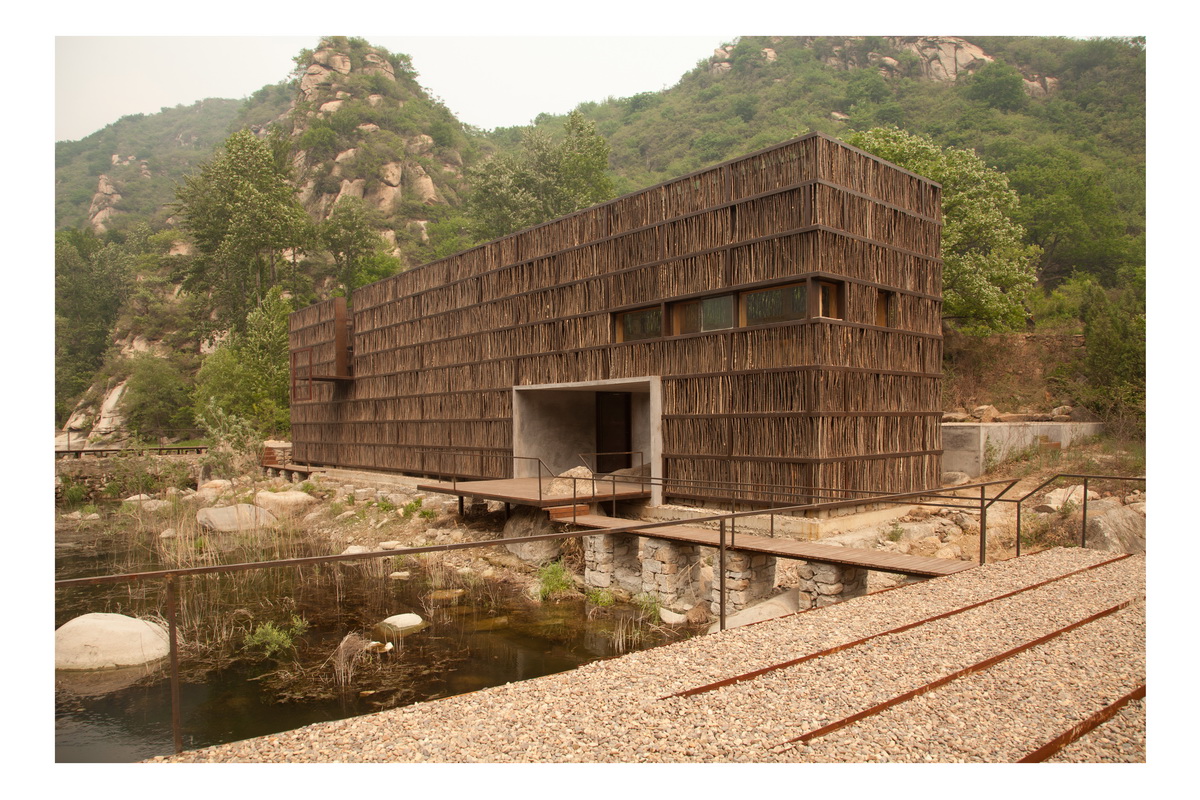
(616, 710)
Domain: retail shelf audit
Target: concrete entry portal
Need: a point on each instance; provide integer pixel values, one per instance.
(567, 424)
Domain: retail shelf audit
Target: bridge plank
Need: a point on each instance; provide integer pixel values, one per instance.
(524, 491)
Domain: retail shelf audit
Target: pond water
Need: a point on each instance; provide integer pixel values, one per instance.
(481, 633)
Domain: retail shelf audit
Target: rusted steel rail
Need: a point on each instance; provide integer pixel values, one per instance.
(746, 676)
(1102, 716)
(962, 673)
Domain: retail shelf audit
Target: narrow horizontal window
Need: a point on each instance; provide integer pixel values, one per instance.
(644, 323)
(777, 304)
(705, 314)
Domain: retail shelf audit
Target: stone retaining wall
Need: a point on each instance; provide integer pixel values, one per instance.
(676, 574)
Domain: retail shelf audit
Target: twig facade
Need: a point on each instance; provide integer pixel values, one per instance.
(789, 300)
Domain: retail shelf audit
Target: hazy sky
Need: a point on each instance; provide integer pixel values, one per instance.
(487, 81)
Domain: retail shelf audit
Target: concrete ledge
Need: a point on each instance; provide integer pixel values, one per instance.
(969, 447)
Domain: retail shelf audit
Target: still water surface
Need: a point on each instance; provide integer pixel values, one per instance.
(485, 637)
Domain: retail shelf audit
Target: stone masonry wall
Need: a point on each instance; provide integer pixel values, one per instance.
(825, 584)
(671, 570)
(748, 577)
(611, 561)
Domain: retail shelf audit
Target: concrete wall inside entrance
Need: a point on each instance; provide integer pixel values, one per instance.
(557, 422)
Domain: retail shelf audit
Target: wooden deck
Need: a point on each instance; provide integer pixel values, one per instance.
(526, 492)
(790, 548)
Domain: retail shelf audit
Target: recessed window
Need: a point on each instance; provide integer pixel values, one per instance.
(829, 299)
(645, 323)
(777, 304)
(705, 314)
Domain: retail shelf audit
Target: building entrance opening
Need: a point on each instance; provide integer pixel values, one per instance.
(604, 425)
(614, 433)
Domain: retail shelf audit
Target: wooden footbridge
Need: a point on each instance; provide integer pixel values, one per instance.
(575, 510)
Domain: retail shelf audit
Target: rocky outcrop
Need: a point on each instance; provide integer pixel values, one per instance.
(413, 173)
(103, 206)
(946, 59)
(1117, 528)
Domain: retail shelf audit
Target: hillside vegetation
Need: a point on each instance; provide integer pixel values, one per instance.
(385, 177)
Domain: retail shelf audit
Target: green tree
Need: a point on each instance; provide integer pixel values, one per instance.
(241, 214)
(157, 398)
(1114, 334)
(546, 179)
(91, 281)
(350, 235)
(999, 86)
(1070, 212)
(988, 269)
(248, 375)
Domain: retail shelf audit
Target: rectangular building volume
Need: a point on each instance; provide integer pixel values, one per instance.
(789, 301)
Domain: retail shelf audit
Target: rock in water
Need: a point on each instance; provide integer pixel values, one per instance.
(399, 625)
(105, 641)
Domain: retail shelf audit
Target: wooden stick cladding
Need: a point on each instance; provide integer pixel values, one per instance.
(841, 391)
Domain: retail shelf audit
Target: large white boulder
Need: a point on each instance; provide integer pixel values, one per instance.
(107, 641)
(241, 517)
(285, 504)
(399, 625)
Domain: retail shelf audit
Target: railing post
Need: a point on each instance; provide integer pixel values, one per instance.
(1083, 532)
(732, 522)
(1019, 504)
(722, 567)
(982, 525)
(173, 638)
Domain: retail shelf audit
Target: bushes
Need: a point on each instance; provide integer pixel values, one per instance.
(270, 640)
(553, 580)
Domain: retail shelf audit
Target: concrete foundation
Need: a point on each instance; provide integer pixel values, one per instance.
(974, 447)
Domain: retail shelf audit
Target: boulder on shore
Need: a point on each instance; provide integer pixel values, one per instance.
(532, 522)
(241, 517)
(107, 641)
(285, 504)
